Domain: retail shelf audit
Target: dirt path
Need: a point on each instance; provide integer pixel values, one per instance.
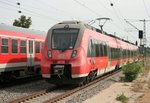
(109, 95)
(145, 98)
(138, 91)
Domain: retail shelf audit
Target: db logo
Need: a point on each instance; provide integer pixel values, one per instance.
(61, 56)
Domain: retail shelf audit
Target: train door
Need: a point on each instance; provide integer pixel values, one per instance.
(30, 53)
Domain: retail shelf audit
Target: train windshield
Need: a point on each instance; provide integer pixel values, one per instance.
(63, 39)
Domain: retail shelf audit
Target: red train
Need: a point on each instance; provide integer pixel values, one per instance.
(20, 49)
(75, 52)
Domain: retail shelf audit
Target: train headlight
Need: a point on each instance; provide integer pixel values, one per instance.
(49, 53)
(74, 53)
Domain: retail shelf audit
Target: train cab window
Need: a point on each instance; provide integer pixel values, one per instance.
(37, 47)
(4, 46)
(63, 39)
(22, 46)
(14, 46)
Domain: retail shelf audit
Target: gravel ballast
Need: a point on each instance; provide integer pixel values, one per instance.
(92, 90)
(11, 93)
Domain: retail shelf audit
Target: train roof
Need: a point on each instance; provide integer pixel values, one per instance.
(22, 30)
(111, 35)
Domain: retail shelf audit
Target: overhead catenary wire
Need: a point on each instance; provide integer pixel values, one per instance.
(65, 13)
(101, 3)
(122, 17)
(146, 8)
(5, 8)
(47, 11)
(91, 10)
(79, 2)
(41, 15)
(120, 20)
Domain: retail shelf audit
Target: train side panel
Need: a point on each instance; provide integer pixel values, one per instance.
(14, 49)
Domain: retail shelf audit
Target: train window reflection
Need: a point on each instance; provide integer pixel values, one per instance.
(63, 39)
(4, 47)
(14, 46)
(37, 47)
(30, 46)
(22, 46)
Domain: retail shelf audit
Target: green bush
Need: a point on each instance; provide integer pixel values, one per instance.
(131, 71)
(122, 98)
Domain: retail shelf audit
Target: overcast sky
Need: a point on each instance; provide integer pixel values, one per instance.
(46, 13)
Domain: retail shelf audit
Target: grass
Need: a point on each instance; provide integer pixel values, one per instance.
(125, 84)
(122, 98)
(141, 96)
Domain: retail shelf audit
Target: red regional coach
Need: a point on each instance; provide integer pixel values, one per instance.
(20, 50)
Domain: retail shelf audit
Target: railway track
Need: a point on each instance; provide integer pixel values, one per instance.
(53, 99)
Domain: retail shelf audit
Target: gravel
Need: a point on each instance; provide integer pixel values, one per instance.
(92, 90)
(14, 92)
(27, 89)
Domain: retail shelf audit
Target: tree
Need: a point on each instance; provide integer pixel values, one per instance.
(23, 22)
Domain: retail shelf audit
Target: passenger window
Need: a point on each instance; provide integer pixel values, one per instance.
(14, 46)
(22, 46)
(97, 48)
(89, 49)
(93, 48)
(101, 49)
(105, 49)
(30, 46)
(4, 47)
(37, 46)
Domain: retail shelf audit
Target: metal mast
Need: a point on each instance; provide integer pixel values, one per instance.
(144, 31)
(144, 36)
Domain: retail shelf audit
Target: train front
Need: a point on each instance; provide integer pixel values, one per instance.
(63, 60)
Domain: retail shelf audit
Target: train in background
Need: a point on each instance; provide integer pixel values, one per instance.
(20, 50)
(75, 53)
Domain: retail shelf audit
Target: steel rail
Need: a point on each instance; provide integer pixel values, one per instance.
(69, 93)
(62, 96)
(34, 95)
